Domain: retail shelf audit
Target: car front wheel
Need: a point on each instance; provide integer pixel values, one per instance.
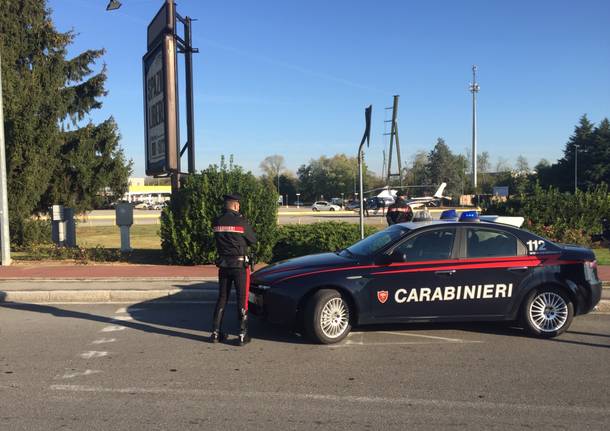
(548, 312)
(327, 317)
(332, 209)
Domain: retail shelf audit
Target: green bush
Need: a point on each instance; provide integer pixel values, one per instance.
(299, 240)
(561, 217)
(31, 231)
(186, 223)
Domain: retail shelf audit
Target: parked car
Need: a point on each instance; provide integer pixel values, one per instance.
(324, 206)
(444, 270)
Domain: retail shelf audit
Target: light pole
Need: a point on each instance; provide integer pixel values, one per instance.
(474, 89)
(298, 199)
(576, 167)
(5, 242)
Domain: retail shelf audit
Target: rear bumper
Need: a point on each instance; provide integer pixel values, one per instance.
(589, 298)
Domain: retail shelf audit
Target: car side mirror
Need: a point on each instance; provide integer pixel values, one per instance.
(395, 257)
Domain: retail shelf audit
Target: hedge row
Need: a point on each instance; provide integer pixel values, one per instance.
(298, 240)
(562, 217)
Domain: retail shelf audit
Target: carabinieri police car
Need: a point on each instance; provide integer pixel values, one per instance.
(468, 269)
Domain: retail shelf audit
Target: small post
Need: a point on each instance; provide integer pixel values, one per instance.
(70, 227)
(58, 227)
(5, 241)
(124, 219)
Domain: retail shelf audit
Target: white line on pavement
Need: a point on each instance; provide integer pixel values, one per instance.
(112, 328)
(433, 337)
(104, 340)
(342, 399)
(93, 354)
(71, 375)
(121, 310)
(121, 318)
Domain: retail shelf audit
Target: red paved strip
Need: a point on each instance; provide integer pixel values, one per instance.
(603, 272)
(75, 271)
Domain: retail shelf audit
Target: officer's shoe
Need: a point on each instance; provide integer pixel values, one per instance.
(243, 338)
(217, 336)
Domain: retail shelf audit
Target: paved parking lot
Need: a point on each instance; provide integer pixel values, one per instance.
(148, 366)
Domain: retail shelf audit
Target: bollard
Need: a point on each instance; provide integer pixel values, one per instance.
(70, 227)
(124, 219)
(58, 228)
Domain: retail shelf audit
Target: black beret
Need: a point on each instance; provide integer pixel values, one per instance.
(232, 197)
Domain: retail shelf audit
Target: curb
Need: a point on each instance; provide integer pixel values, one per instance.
(96, 296)
(103, 279)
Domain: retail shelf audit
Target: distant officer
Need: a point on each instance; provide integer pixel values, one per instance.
(399, 211)
(233, 236)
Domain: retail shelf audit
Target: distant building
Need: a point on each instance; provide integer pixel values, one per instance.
(138, 192)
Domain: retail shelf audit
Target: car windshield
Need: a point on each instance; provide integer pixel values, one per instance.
(372, 244)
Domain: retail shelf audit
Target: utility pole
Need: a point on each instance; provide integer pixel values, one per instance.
(474, 89)
(394, 136)
(576, 167)
(5, 241)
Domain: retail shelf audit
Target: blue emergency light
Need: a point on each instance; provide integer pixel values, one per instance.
(469, 216)
(449, 215)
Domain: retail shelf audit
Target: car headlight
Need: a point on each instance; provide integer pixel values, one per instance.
(263, 287)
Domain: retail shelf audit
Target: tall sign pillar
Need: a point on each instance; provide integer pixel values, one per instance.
(160, 68)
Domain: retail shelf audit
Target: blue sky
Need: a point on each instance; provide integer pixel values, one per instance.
(293, 78)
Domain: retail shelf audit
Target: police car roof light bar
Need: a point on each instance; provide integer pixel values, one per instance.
(449, 215)
(469, 216)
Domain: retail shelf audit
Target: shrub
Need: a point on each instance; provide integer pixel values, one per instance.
(31, 231)
(298, 240)
(186, 223)
(562, 217)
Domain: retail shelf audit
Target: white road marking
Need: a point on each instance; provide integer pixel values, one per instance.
(350, 343)
(93, 354)
(433, 337)
(104, 340)
(122, 318)
(113, 328)
(341, 399)
(71, 375)
(121, 310)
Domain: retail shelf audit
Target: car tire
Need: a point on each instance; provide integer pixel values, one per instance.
(327, 317)
(314, 209)
(547, 312)
(331, 209)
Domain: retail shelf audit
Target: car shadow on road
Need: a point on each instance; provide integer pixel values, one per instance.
(197, 316)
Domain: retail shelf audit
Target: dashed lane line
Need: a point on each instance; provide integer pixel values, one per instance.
(341, 399)
(93, 354)
(104, 341)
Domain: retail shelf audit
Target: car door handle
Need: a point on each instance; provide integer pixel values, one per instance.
(445, 272)
(518, 268)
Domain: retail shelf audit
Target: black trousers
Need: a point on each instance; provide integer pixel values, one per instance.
(228, 277)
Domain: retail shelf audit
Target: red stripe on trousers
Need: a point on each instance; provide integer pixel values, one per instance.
(247, 287)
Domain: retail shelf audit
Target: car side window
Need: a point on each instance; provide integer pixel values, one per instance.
(432, 245)
(490, 243)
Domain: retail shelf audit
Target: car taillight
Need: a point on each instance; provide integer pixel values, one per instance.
(591, 270)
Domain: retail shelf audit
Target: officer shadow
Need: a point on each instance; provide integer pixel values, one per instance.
(181, 313)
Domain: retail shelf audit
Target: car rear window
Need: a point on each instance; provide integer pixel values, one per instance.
(490, 243)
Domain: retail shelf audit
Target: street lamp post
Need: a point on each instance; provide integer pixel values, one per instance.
(5, 242)
(474, 89)
(576, 167)
(298, 199)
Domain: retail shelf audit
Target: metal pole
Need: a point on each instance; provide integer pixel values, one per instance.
(392, 135)
(5, 241)
(575, 167)
(474, 89)
(366, 138)
(190, 122)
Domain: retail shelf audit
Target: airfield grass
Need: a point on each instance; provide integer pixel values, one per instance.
(602, 255)
(144, 237)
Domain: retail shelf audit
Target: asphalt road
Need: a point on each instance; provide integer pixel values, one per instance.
(148, 366)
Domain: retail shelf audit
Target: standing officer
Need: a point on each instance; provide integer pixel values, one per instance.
(399, 211)
(233, 235)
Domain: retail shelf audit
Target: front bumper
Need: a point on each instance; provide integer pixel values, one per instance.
(272, 306)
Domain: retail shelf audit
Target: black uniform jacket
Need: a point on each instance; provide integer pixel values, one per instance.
(399, 212)
(233, 235)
